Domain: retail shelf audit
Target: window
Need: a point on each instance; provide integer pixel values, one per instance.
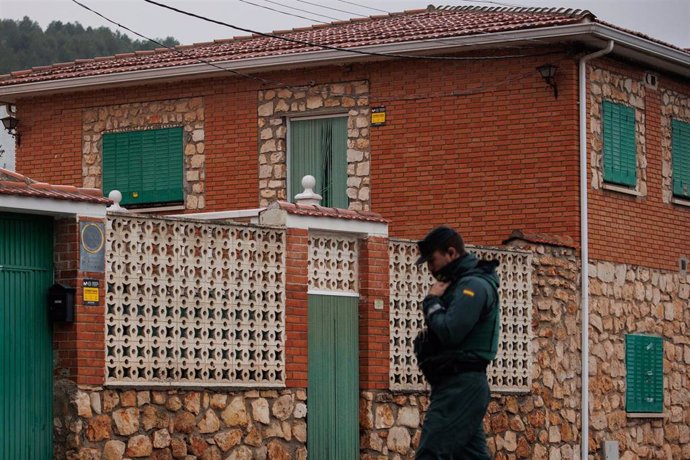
(146, 166)
(680, 151)
(620, 157)
(319, 147)
(644, 380)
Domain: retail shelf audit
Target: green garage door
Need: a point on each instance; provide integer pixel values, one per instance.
(333, 393)
(26, 385)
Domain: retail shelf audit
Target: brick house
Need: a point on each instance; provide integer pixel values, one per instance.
(590, 164)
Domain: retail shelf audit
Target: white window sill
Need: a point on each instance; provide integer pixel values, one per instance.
(680, 201)
(645, 415)
(621, 189)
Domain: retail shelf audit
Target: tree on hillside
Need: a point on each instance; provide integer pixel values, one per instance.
(23, 44)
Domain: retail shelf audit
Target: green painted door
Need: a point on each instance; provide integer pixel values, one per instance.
(333, 393)
(26, 382)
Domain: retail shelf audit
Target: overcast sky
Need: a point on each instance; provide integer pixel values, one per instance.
(667, 20)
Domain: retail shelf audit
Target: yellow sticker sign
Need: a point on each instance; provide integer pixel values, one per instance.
(90, 292)
(378, 116)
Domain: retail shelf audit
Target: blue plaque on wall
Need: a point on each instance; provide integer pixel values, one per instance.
(92, 247)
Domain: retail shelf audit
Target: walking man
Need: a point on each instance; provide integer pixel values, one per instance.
(462, 319)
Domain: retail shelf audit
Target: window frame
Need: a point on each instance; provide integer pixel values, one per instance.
(607, 179)
(288, 149)
(153, 203)
(657, 386)
(686, 127)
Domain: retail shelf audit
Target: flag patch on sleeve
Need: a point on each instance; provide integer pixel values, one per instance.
(468, 292)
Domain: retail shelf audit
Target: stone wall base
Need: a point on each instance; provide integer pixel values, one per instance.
(113, 424)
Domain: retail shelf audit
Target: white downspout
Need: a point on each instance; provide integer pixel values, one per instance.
(584, 244)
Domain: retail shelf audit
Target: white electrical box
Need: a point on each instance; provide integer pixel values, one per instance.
(610, 450)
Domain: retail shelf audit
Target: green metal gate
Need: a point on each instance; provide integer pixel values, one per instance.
(26, 382)
(333, 394)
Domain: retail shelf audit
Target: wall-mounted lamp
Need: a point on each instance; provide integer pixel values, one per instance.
(548, 73)
(10, 123)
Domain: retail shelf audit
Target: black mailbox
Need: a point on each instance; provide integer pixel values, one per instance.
(61, 303)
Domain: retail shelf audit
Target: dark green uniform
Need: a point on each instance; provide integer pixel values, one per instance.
(460, 339)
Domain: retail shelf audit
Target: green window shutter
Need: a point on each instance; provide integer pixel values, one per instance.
(319, 147)
(620, 152)
(644, 361)
(146, 166)
(680, 151)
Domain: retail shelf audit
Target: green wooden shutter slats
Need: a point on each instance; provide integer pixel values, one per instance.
(620, 153)
(319, 147)
(680, 152)
(146, 166)
(644, 362)
(339, 163)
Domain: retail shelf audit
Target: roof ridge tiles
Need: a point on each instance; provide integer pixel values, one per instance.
(570, 12)
(15, 175)
(13, 183)
(65, 188)
(19, 73)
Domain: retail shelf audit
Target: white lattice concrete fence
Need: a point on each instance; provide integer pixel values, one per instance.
(511, 371)
(194, 303)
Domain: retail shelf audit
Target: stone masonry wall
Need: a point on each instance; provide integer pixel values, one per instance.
(608, 85)
(628, 299)
(543, 424)
(348, 98)
(188, 113)
(165, 424)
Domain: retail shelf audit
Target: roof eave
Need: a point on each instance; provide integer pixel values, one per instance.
(629, 45)
(655, 55)
(51, 207)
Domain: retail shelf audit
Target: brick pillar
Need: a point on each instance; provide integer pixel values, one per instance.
(296, 303)
(79, 346)
(374, 327)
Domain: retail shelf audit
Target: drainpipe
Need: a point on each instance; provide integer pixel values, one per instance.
(584, 244)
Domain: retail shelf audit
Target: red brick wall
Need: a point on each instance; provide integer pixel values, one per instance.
(296, 309)
(80, 346)
(480, 145)
(66, 259)
(373, 324)
(485, 163)
(641, 230)
(51, 140)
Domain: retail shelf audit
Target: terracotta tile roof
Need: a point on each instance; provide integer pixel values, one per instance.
(541, 238)
(321, 211)
(12, 183)
(432, 23)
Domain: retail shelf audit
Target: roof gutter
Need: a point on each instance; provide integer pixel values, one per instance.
(584, 245)
(591, 33)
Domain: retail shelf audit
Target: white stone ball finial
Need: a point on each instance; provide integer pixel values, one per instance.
(308, 183)
(308, 196)
(116, 197)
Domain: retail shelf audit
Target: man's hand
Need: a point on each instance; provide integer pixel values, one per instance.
(438, 288)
